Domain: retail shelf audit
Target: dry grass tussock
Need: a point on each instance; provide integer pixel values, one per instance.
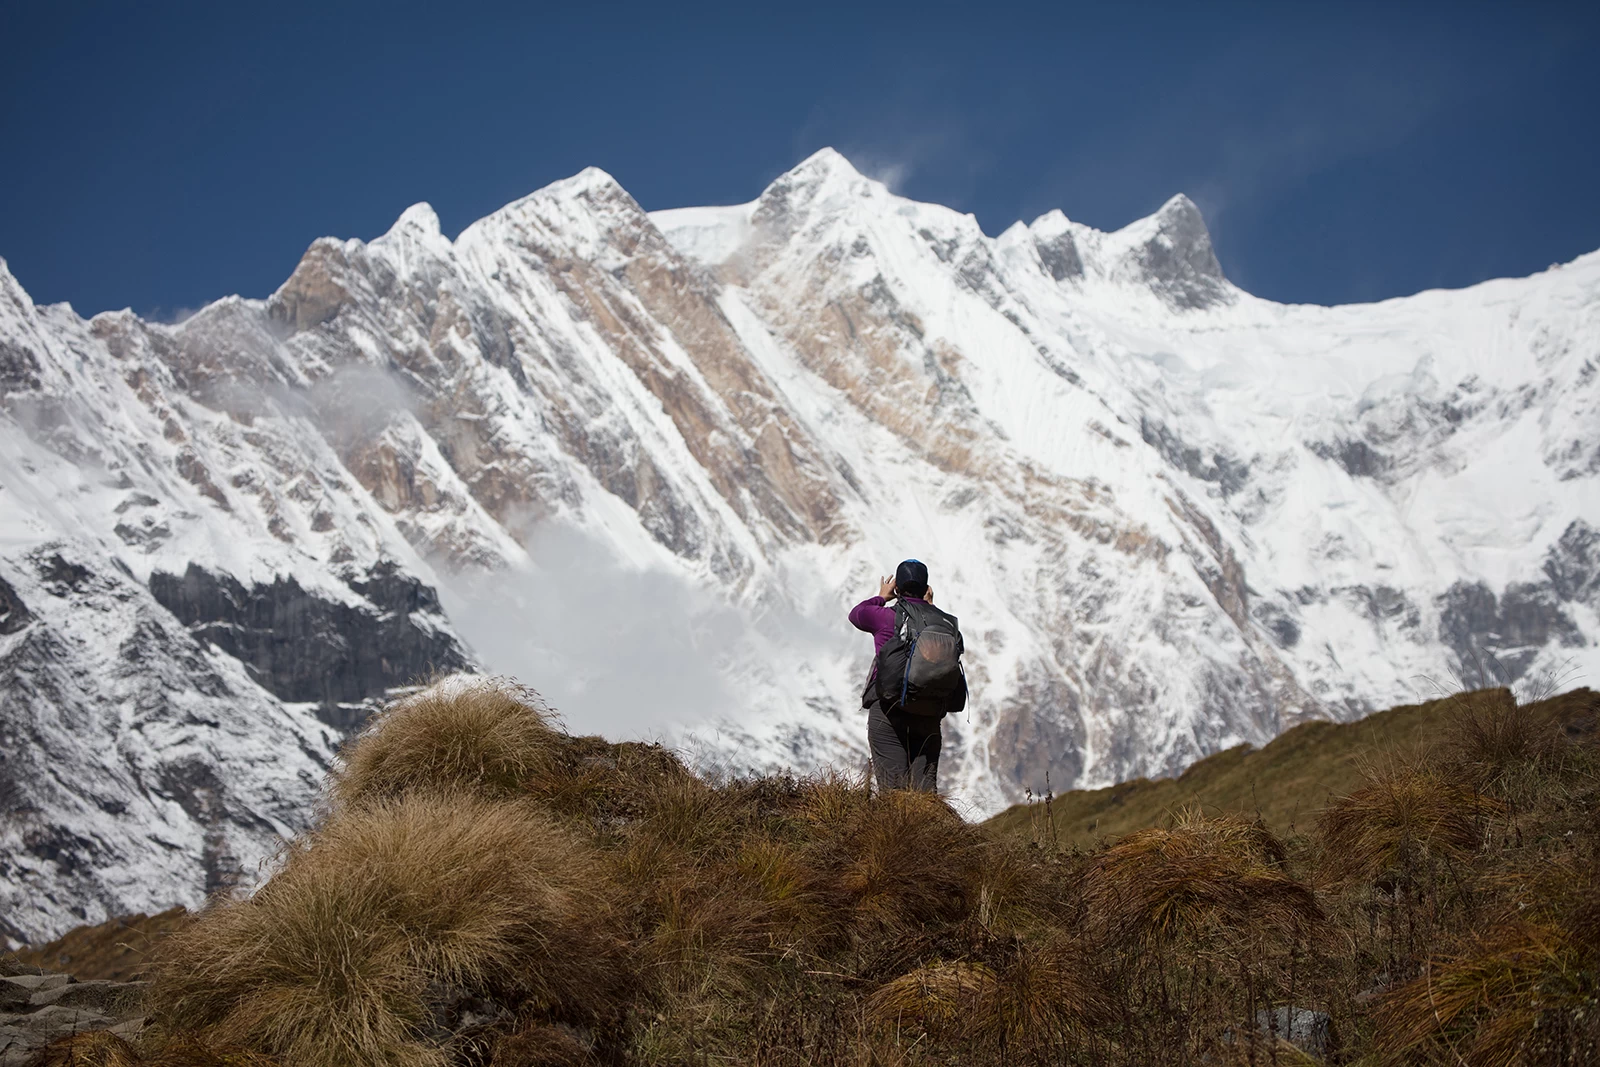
(376, 925)
(486, 889)
(459, 734)
(1517, 993)
(1406, 814)
(100, 1048)
(1202, 875)
(1044, 996)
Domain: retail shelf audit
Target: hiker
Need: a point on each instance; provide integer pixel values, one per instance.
(916, 678)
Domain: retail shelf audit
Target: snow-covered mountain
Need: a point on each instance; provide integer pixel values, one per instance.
(648, 460)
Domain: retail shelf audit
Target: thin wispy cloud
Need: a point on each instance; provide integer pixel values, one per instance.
(1237, 129)
(1348, 114)
(909, 136)
(173, 316)
(1223, 157)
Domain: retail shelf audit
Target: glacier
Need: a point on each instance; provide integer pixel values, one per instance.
(1171, 516)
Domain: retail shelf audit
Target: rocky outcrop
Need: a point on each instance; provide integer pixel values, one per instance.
(1228, 473)
(1312, 1032)
(38, 1008)
(14, 614)
(1359, 459)
(1177, 261)
(1059, 254)
(305, 647)
(19, 369)
(1496, 638)
(1573, 565)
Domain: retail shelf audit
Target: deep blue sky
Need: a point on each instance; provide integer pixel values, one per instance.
(160, 156)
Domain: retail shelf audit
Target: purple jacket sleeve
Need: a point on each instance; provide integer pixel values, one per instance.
(877, 619)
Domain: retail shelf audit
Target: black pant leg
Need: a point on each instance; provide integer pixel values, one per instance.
(924, 741)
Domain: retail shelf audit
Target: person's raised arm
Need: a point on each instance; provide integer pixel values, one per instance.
(868, 615)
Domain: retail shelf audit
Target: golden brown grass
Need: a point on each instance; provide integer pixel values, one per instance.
(94, 1048)
(101, 1048)
(940, 998)
(185, 1051)
(1493, 736)
(115, 950)
(1284, 783)
(485, 737)
(552, 900)
(904, 860)
(1042, 997)
(1202, 875)
(1512, 996)
(542, 1045)
(1405, 814)
(334, 960)
(1522, 987)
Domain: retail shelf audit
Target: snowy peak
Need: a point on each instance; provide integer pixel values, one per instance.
(1168, 253)
(823, 168)
(14, 299)
(419, 219)
(819, 189)
(823, 186)
(588, 182)
(1057, 247)
(588, 216)
(1179, 215)
(826, 206)
(591, 186)
(1171, 252)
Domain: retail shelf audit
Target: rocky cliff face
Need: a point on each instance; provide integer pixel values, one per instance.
(196, 602)
(304, 649)
(1171, 516)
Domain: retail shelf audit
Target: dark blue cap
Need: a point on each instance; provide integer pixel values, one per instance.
(911, 578)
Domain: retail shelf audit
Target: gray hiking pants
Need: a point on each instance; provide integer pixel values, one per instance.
(905, 749)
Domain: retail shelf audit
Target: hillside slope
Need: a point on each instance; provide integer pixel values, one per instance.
(481, 888)
(1286, 783)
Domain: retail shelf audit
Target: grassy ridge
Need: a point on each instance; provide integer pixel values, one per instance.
(1285, 783)
(484, 889)
(116, 950)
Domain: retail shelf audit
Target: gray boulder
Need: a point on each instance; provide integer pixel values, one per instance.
(1309, 1031)
(18, 1046)
(16, 991)
(108, 998)
(36, 1009)
(33, 983)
